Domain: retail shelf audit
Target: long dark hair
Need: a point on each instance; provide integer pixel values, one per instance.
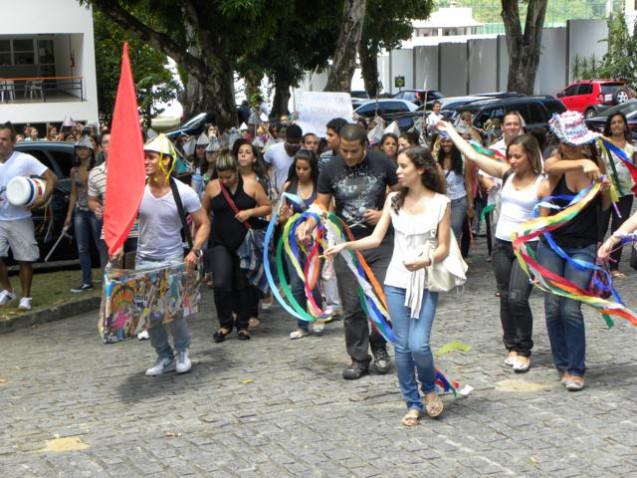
(531, 148)
(258, 166)
(432, 178)
(91, 162)
(456, 159)
(609, 120)
(311, 158)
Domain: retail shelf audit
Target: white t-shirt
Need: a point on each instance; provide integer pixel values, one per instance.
(160, 225)
(281, 162)
(18, 164)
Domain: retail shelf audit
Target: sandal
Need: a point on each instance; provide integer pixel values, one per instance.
(243, 335)
(433, 405)
(253, 323)
(411, 418)
(615, 274)
(220, 335)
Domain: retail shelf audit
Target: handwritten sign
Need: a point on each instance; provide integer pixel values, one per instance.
(315, 109)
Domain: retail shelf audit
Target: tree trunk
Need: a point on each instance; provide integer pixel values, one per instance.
(344, 58)
(367, 54)
(281, 96)
(524, 48)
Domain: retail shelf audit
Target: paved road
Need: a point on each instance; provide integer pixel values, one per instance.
(72, 407)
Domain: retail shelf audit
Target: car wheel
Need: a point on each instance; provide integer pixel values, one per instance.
(621, 96)
(590, 112)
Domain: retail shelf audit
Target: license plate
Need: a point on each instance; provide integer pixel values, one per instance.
(608, 97)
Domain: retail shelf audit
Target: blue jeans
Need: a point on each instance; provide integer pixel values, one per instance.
(412, 344)
(459, 209)
(86, 225)
(564, 320)
(178, 327)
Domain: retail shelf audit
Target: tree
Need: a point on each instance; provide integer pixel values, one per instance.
(155, 83)
(205, 38)
(387, 23)
(523, 47)
(620, 60)
(349, 37)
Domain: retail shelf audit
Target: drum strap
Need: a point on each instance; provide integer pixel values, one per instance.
(182, 212)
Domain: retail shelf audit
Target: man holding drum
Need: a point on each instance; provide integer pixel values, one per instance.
(16, 225)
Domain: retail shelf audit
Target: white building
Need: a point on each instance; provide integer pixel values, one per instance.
(444, 22)
(47, 62)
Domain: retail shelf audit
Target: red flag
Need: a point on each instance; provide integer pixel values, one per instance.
(126, 176)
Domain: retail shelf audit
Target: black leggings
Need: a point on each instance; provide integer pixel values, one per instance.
(230, 282)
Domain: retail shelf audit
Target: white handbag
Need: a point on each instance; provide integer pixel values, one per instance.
(450, 273)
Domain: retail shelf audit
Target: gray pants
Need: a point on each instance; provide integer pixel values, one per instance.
(357, 336)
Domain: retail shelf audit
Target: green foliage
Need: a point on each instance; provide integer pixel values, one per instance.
(620, 61)
(155, 83)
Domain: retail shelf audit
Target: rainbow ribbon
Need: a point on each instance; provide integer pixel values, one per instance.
(611, 150)
(550, 282)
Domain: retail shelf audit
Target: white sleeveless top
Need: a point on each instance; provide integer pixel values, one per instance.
(411, 233)
(516, 207)
(455, 185)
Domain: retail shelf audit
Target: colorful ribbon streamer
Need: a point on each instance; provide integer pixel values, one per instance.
(551, 282)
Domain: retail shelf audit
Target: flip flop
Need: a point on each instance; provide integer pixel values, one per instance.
(433, 405)
(411, 418)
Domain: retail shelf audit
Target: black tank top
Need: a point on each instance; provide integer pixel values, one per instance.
(226, 230)
(583, 230)
(293, 188)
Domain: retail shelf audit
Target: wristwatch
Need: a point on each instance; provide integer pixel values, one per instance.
(197, 252)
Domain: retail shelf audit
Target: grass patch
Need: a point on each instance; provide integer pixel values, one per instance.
(50, 289)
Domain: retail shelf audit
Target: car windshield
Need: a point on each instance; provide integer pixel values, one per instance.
(626, 108)
(610, 88)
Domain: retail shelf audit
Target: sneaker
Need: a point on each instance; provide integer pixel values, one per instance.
(183, 361)
(297, 334)
(521, 364)
(162, 365)
(574, 383)
(382, 363)
(25, 303)
(355, 371)
(510, 358)
(143, 335)
(317, 327)
(82, 288)
(6, 296)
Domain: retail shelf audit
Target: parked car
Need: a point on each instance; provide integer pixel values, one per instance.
(193, 127)
(629, 108)
(450, 105)
(390, 110)
(536, 110)
(418, 96)
(359, 94)
(48, 222)
(590, 97)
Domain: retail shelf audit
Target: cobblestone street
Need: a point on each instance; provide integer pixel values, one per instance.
(275, 407)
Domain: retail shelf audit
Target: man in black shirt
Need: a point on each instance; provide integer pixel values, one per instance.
(358, 181)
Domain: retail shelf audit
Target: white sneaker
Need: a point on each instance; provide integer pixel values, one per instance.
(162, 365)
(25, 303)
(143, 335)
(317, 327)
(183, 362)
(6, 297)
(297, 334)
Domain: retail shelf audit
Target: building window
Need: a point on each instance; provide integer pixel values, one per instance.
(23, 52)
(5, 52)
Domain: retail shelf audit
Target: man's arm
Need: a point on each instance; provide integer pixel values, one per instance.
(202, 228)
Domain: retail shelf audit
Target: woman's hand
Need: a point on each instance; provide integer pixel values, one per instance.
(67, 222)
(416, 264)
(603, 253)
(243, 216)
(332, 251)
(591, 170)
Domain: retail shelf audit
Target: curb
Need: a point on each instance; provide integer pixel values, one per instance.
(57, 312)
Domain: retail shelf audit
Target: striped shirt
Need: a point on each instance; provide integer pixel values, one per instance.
(97, 189)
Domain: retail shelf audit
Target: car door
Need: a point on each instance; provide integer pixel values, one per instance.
(584, 97)
(569, 96)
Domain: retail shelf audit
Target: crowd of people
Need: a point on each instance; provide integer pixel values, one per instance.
(399, 192)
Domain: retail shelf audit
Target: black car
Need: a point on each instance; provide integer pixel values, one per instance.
(418, 96)
(451, 105)
(401, 111)
(629, 109)
(193, 127)
(49, 221)
(536, 110)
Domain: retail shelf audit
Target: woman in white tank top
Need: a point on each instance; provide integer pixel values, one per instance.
(521, 176)
(419, 213)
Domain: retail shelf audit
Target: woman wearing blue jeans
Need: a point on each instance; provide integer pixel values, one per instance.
(570, 170)
(86, 226)
(420, 216)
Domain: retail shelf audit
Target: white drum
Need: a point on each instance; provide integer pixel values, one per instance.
(23, 192)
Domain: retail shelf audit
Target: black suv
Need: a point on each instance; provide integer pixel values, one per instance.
(48, 223)
(536, 110)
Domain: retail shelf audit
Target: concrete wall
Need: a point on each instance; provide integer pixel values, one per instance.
(453, 69)
(483, 65)
(402, 64)
(585, 39)
(552, 70)
(503, 64)
(65, 17)
(426, 59)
